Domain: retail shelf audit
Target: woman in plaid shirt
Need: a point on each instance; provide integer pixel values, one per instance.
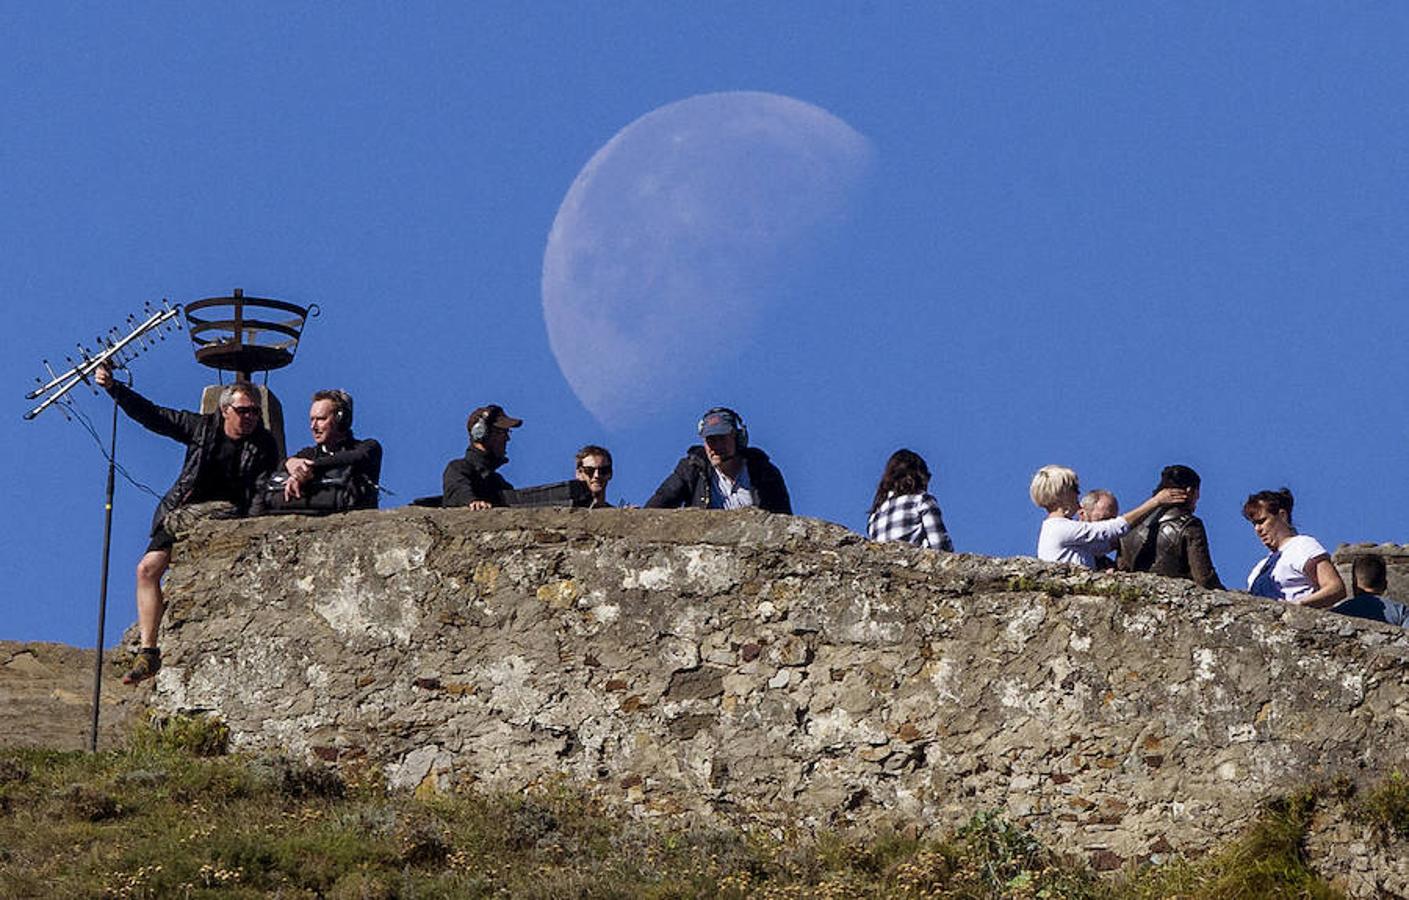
(903, 509)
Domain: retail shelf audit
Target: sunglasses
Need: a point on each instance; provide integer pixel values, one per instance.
(244, 410)
(593, 471)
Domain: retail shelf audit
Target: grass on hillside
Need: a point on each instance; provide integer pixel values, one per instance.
(172, 816)
(1386, 808)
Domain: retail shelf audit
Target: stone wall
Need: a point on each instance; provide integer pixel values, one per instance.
(779, 669)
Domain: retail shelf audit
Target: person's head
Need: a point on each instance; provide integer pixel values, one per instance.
(489, 429)
(239, 410)
(1368, 574)
(330, 417)
(1270, 513)
(1098, 504)
(1054, 487)
(1181, 477)
(594, 468)
(905, 473)
(724, 435)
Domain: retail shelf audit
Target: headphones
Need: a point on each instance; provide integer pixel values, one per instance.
(342, 409)
(741, 431)
(342, 406)
(480, 429)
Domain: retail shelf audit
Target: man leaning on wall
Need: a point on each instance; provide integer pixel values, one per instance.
(227, 453)
(474, 480)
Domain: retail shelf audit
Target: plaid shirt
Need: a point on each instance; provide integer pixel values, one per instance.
(913, 518)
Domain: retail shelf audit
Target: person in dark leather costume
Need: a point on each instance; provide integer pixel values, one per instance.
(1172, 542)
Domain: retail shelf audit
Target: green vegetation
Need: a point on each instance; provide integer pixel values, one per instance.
(170, 816)
(1027, 583)
(1386, 809)
(1268, 860)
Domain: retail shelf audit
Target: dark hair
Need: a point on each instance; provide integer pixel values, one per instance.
(906, 473)
(342, 401)
(593, 450)
(1272, 501)
(1368, 572)
(1178, 477)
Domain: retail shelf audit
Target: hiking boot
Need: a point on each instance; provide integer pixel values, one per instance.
(145, 665)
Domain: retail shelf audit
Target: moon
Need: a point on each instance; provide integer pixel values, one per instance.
(679, 233)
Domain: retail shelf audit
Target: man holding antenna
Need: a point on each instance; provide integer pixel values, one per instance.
(226, 453)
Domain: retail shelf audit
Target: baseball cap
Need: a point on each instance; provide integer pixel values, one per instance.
(717, 422)
(494, 416)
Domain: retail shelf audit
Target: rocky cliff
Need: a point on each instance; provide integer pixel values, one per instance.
(776, 668)
(46, 697)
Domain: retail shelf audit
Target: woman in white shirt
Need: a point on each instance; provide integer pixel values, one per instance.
(1056, 489)
(1298, 570)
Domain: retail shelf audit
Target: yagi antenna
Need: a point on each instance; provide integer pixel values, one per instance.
(115, 350)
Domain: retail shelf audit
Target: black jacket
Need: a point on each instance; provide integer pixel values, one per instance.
(1173, 543)
(688, 485)
(362, 455)
(359, 458)
(258, 452)
(473, 478)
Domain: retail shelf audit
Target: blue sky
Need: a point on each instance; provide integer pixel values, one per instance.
(1112, 236)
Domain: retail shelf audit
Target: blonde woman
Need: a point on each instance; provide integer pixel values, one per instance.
(1062, 538)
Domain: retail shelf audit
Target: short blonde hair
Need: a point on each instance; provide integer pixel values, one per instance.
(1050, 483)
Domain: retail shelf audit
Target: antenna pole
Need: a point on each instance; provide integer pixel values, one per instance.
(103, 589)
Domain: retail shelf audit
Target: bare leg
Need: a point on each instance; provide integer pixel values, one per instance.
(150, 605)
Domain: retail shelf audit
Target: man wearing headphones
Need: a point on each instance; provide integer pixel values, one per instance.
(351, 467)
(474, 481)
(724, 473)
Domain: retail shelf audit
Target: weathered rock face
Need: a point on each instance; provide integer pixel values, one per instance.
(46, 697)
(776, 667)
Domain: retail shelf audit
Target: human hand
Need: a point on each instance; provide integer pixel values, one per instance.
(103, 375)
(481, 504)
(300, 473)
(1172, 496)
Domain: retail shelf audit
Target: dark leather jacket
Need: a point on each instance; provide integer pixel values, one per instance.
(362, 455)
(473, 478)
(1173, 543)
(356, 465)
(258, 452)
(688, 485)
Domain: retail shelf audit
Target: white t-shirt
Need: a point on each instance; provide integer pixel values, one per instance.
(1071, 541)
(1289, 573)
(727, 493)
